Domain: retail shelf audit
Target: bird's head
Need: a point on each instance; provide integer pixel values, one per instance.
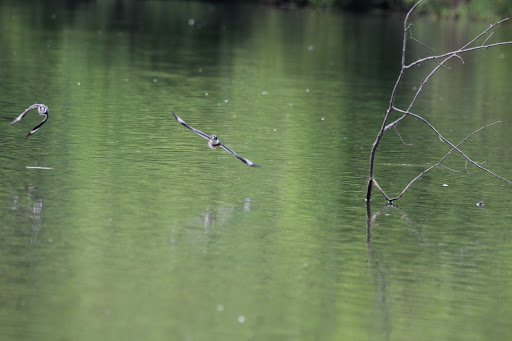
(42, 110)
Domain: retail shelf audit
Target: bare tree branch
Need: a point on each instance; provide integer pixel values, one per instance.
(444, 158)
(391, 108)
(470, 49)
(485, 41)
(400, 136)
(448, 168)
(456, 147)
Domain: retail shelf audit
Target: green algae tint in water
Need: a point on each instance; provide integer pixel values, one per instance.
(138, 231)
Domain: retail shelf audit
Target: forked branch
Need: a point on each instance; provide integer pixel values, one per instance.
(440, 61)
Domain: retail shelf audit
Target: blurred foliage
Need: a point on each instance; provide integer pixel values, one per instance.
(473, 9)
(447, 8)
(464, 8)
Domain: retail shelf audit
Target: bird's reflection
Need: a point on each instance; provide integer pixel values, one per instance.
(247, 204)
(222, 214)
(30, 205)
(201, 227)
(209, 218)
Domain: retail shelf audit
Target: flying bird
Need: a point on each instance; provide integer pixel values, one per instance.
(41, 110)
(213, 142)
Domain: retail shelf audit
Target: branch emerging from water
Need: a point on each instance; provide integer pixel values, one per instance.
(440, 61)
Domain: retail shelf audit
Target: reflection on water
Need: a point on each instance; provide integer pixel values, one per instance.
(119, 224)
(219, 215)
(29, 205)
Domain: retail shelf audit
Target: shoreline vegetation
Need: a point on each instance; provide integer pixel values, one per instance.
(464, 9)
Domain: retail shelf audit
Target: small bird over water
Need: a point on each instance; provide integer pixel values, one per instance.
(41, 110)
(213, 142)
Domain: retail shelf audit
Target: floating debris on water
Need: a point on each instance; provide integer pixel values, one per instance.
(37, 167)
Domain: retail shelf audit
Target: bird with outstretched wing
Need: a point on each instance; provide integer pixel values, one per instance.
(213, 142)
(41, 110)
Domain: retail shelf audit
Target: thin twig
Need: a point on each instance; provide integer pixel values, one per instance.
(420, 42)
(447, 168)
(485, 41)
(400, 136)
(464, 50)
(456, 148)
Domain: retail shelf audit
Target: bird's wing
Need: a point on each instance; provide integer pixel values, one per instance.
(198, 132)
(24, 113)
(244, 160)
(36, 127)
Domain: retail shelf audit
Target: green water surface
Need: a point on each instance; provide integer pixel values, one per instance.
(130, 228)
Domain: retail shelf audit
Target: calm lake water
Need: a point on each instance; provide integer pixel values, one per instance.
(118, 223)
